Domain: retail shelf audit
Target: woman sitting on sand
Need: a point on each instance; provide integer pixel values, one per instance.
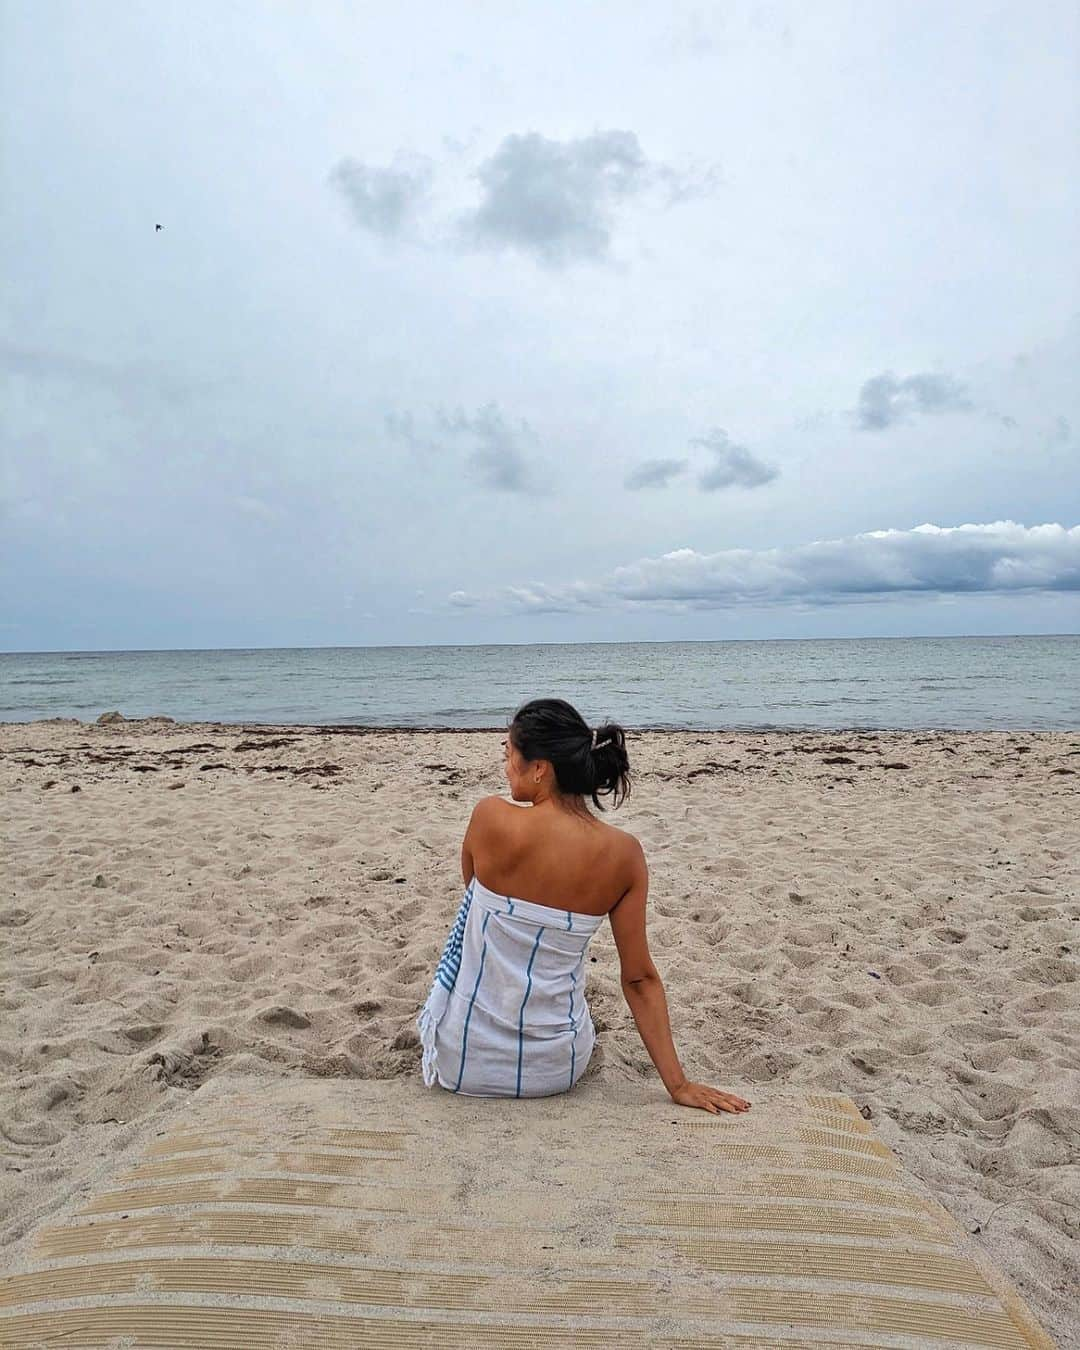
(507, 1015)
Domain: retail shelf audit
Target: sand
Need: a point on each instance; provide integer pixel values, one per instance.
(899, 924)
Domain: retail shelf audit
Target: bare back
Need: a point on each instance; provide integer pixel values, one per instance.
(553, 858)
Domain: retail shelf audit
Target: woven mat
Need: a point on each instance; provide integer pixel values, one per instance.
(332, 1214)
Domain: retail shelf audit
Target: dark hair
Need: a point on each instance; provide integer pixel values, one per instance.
(551, 729)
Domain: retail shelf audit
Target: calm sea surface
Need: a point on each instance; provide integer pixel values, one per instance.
(1011, 683)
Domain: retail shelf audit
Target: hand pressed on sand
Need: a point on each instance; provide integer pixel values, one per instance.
(708, 1098)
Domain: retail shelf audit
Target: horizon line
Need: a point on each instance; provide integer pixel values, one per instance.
(624, 642)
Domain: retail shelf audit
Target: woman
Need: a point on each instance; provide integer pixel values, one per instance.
(507, 1016)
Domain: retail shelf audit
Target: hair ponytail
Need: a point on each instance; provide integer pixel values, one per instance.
(552, 729)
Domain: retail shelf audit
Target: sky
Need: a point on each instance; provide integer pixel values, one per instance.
(551, 322)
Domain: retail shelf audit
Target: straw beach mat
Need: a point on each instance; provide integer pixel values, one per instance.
(331, 1214)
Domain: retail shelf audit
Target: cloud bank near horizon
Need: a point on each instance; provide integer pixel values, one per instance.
(999, 558)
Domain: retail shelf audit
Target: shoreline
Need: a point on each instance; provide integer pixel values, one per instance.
(405, 728)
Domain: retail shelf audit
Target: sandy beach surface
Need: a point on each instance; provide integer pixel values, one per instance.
(892, 915)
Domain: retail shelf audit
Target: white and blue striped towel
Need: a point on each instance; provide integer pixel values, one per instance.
(507, 1016)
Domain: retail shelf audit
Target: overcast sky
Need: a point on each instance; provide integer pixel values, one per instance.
(541, 322)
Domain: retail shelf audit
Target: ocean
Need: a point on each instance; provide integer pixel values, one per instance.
(953, 683)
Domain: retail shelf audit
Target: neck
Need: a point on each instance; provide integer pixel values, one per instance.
(567, 806)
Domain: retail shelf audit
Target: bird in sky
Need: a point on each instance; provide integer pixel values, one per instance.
(158, 227)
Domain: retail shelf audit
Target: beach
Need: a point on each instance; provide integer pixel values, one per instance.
(892, 915)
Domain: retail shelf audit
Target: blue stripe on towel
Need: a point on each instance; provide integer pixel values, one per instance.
(476, 986)
(521, 1015)
(450, 962)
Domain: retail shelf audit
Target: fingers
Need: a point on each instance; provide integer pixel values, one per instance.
(728, 1101)
(714, 1101)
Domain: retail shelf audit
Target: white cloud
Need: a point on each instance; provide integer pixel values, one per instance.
(929, 559)
(547, 198)
(654, 473)
(384, 200)
(552, 198)
(885, 400)
(734, 465)
(499, 458)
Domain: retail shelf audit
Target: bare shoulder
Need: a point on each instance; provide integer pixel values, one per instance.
(629, 855)
(492, 803)
(625, 847)
(488, 809)
(630, 844)
(498, 808)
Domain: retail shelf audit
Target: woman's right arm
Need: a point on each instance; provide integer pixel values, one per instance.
(643, 990)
